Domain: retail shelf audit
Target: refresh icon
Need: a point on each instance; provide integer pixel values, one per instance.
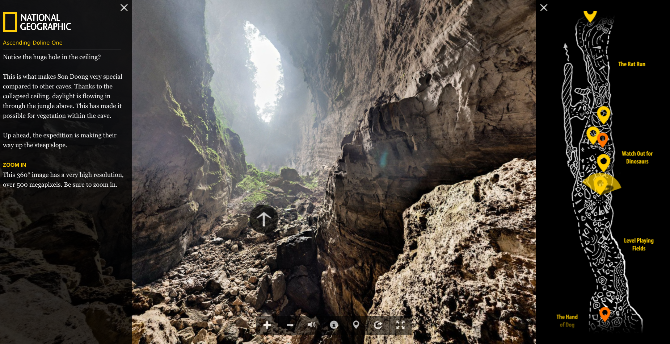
(377, 325)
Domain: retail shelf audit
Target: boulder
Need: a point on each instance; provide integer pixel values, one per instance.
(30, 314)
(194, 318)
(256, 298)
(291, 188)
(200, 337)
(228, 334)
(6, 237)
(218, 283)
(296, 250)
(279, 201)
(108, 322)
(289, 174)
(291, 214)
(69, 238)
(241, 322)
(304, 207)
(186, 335)
(275, 190)
(231, 228)
(278, 283)
(17, 263)
(304, 291)
(157, 328)
(271, 261)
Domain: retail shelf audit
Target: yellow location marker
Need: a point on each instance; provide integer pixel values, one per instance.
(603, 167)
(590, 16)
(594, 137)
(611, 183)
(600, 184)
(603, 119)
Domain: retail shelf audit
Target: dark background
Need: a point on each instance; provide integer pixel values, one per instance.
(97, 27)
(565, 279)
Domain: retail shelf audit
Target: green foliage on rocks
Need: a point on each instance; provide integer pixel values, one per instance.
(255, 184)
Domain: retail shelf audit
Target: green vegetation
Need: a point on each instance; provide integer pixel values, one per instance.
(214, 157)
(197, 147)
(339, 95)
(310, 182)
(264, 176)
(174, 105)
(255, 184)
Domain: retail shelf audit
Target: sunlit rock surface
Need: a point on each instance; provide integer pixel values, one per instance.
(467, 271)
(185, 163)
(467, 108)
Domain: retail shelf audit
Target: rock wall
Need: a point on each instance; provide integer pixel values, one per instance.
(185, 162)
(53, 283)
(466, 73)
(467, 271)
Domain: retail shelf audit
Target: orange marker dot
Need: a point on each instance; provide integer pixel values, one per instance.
(602, 139)
(604, 313)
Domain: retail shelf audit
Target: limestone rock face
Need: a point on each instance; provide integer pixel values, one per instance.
(468, 265)
(185, 163)
(462, 105)
(69, 238)
(155, 328)
(31, 314)
(24, 263)
(108, 322)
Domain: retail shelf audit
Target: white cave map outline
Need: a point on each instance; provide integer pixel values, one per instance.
(594, 211)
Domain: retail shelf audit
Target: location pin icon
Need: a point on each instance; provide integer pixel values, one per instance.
(594, 137)
(603, 118)
(604, 313)
(590, 16)
(601, 158)
(600, 184)
(602, 139)
(356, 323)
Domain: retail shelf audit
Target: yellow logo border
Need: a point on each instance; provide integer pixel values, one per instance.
(16, 21)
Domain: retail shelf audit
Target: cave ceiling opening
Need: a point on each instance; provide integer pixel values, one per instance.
(265, 63)
(259, 84)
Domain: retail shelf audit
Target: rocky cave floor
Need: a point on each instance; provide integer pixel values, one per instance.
(233, 276)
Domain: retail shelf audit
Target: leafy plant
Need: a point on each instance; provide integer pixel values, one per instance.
(255, 183)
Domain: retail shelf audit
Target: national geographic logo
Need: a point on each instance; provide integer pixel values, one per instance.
(32, 22)
(7, 21)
